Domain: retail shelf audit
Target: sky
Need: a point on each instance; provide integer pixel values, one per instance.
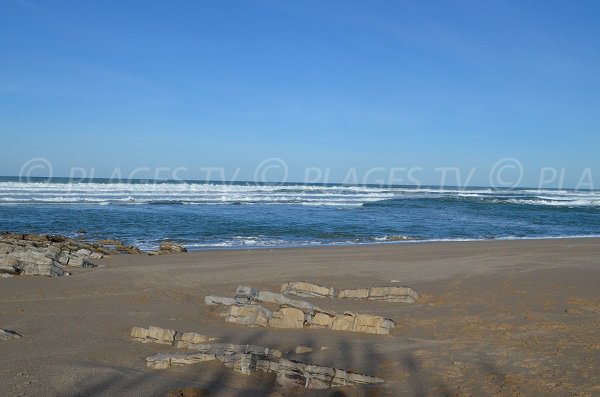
(326, 88)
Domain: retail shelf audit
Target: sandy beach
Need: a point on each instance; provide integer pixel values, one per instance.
(495, 318)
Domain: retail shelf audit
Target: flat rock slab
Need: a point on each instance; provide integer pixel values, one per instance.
(166, 336)
(247, 361)
(383, 293)
(301, 288)
(6, 334)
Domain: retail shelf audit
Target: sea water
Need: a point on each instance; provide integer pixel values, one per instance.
(240, 215)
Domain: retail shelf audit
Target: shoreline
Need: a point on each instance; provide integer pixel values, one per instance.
(385, 243)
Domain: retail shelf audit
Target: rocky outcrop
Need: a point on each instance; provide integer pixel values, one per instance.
(6, 334)
(246, 309)
(289, 317)
(48, 255)
(247, 295)
(251, 315)
(301, 288)
(294, 373)
(170, 247)
(288, 373)
(385, 294)
(168, 337)
(247, 359)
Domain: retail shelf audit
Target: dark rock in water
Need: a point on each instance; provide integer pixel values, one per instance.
(171, 247)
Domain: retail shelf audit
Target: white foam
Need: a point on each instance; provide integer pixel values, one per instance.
(306, 195)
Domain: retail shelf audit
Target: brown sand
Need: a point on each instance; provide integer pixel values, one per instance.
(501, 318)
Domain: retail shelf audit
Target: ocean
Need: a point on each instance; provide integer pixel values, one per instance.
(246, 215)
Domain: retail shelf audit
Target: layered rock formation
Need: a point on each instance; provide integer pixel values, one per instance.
(169, 337)
(51, 255)
(385, 294)
(168, 247)
(247, 359)
(33, 255)
(246, 309)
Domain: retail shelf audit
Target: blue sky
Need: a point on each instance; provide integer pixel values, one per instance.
(328, 84)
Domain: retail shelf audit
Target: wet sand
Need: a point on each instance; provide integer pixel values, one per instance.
(495, 318)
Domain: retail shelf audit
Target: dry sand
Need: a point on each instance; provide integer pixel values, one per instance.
(496, 318)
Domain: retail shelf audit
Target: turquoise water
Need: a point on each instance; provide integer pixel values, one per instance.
(209, 215)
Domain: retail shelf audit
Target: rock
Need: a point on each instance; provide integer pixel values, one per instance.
(371, 324)
(321, 319)
(128, 249)
(291, 374)
(63, 257)
(171, 247)
(365, 323)
(192, 337)
(46, 255)
(319, 377)
(360, 379)
(302, 349)
(167, 360)
(386, 294)
(159, 361)
(140, 333)
(246, 359)
(52, 252)
(245, 363)
(343, 322)
(51, 270)
(302, 288)
(5, 248)
(245, 295)
(224, 349)
(9, 265)
(393, 294)
(80, 261)
(360, 293)
(296, 314)
(273, 297)
(83, 252)
(253, 315)
(189, 340)
(6, 334)
(288, 317)
(266, 365)
(219, 300)
(162, 335)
